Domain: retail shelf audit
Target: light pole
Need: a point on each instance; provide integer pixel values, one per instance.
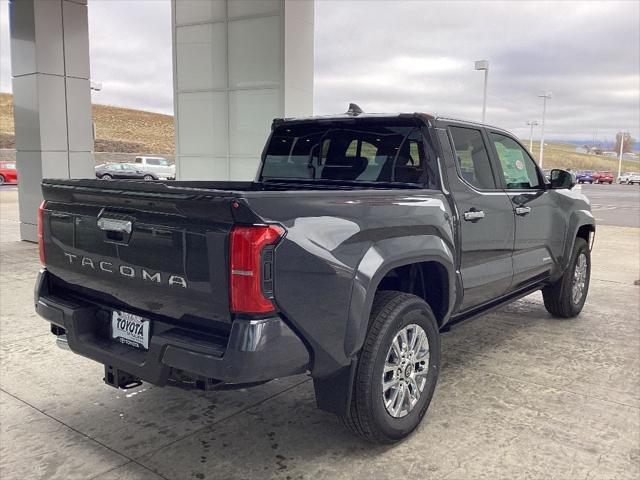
(621, 150)
(544, 96)
(484, 65)
(532, 123)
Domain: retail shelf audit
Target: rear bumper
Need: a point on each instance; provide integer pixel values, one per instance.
(254, 351)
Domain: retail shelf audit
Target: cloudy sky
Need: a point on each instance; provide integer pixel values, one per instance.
(415, 56)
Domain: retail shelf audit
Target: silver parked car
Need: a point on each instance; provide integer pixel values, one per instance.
(629, 178)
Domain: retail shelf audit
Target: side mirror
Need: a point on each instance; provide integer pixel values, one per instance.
(562, 179)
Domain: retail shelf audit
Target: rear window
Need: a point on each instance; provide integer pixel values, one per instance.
(349, 151)
(9, 166)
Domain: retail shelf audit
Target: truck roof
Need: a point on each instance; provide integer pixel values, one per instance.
(348, 116)
(424, 117)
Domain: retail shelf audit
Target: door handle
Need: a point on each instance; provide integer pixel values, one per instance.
(114, 225)
(522, 211)
(473, 215)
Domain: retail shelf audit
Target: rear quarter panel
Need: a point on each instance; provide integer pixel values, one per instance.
(338, 246)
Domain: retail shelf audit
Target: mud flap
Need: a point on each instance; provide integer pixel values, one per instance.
(333, 393)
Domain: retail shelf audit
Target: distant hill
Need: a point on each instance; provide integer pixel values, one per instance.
(564, 155)
(606, 144)
(117, 129)
(135, 131)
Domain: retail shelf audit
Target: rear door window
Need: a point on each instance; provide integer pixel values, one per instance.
(472, 157)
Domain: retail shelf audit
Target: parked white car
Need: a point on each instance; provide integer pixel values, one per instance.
(158, 165)
(629, 178)
(633, 179)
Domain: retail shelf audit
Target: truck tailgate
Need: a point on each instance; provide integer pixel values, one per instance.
(143, 248)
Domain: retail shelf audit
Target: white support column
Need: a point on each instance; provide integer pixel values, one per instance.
(238, 64)
(51, 98)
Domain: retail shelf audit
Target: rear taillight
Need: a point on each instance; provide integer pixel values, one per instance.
(40, 232)
(252, 267)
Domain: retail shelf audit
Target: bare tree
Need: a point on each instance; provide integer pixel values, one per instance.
(629, 141)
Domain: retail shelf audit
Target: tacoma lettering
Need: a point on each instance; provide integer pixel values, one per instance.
(126, 270)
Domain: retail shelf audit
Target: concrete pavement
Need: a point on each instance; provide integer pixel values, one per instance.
(521, 395)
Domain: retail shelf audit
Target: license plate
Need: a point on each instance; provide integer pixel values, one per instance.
(130, 329)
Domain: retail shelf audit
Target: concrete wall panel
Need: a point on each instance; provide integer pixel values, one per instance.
(250, 115)
(36, 38)
(203, 123)
(76, 44)
(194, 11)
(81, 165)
(261, 65)
(203, 167)
(79, 119)
(240, 8)
(201, 56)
(243, 168)
(25, 113)
(255, 52)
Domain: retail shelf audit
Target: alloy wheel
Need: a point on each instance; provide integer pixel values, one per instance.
(405, 370)
(579, 278)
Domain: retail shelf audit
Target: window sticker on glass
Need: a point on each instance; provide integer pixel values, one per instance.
(513, 165)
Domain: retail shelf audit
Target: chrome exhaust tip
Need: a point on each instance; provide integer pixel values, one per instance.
(62, 342)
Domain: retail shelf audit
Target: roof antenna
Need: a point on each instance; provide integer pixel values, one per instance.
(354, 110)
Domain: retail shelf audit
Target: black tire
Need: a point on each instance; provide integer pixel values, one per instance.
(368, 416)
(558, 297)
(106, 176)
(2, 179)
(148, 178)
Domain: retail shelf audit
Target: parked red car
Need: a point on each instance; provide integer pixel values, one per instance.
(603, 177)
(8, 173)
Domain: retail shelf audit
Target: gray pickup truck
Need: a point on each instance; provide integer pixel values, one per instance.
(360, 240)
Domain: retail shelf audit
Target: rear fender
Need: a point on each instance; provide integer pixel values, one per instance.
(578, 219)
(333, 393)
(379, 260)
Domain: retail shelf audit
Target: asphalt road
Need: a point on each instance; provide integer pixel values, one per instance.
(617, 205)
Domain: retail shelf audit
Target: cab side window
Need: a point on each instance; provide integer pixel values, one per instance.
(472, 157)
(518, 167)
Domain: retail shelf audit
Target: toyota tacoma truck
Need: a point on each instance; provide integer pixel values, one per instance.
(362, 237)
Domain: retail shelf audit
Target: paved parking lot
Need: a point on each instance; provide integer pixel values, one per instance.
(521, 395)
(614, 204)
